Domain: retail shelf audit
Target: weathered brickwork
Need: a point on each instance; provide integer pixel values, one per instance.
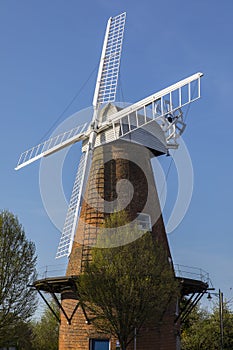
(112, 163)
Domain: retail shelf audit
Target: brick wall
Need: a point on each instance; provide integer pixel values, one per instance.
(123, 161)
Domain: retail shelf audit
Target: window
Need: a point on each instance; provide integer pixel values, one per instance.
(99, 344)
(144, 222)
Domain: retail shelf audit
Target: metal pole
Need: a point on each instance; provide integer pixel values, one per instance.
(220, 295)
(135, 339)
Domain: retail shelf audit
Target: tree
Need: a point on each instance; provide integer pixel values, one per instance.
(126, 286)
(20, 336)
(196, 330)
(45, 331)
(201, 331)
(17, 271)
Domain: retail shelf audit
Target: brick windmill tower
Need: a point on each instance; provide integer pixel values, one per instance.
(114, 174)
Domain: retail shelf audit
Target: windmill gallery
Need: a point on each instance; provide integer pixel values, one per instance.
(117, 145)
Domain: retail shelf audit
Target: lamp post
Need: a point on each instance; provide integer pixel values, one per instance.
(135, 339)
(220, 305)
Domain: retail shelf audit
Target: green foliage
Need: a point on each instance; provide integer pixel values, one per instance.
(202, 330)
(19, 336)
(17, 271)
(126, 286)
(45, 332)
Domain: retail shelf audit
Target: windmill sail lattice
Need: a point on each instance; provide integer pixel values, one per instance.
(66, 240)
(52, 145)
(164, 107)
(107, 78)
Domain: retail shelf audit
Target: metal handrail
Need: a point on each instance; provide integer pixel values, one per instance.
(191, 272)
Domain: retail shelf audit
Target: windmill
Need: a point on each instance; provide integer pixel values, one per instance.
(154, 122)
(112, 144)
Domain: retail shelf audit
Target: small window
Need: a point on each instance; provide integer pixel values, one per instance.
(144, 222)
(99, 344)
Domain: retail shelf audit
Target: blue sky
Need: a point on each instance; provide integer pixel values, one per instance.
(49, 50)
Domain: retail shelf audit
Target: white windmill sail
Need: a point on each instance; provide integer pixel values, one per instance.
(65, 244)
(52, 145)
(105, 91)
(162, 108)
(107, 78)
